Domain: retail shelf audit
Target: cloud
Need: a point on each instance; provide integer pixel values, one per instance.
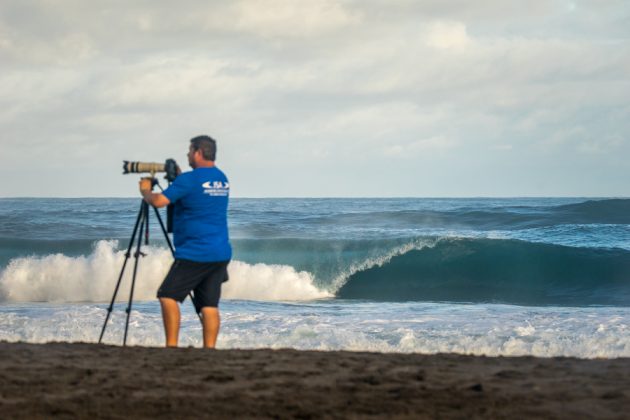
(172, 79)
(447, 35)
(414, 148)
(602, 145)
(308, 86)
(287, 18)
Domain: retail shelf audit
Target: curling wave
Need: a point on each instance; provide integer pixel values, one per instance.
(498, 271)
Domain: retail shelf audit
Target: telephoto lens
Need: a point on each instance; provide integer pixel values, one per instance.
(140, 167)
(170, 167)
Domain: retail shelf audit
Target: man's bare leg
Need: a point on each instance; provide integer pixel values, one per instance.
(170, 316)
(211, 323)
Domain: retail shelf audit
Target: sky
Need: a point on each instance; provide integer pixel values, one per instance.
(319, 98)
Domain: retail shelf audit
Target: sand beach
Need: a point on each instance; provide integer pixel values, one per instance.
(64, 380)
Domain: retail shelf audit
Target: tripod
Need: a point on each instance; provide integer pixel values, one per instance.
(141, 228)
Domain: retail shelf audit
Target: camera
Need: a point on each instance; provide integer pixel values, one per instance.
(169, 167)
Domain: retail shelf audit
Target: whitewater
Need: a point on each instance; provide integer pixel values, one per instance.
(520, 276)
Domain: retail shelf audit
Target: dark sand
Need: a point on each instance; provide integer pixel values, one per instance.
(95, 381)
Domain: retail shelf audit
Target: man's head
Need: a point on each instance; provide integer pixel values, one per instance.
(202, 151)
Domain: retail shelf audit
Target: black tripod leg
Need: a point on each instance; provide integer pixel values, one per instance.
(145, 214)
(168, 240)
(122, 271)
(146, 229)
(170, 245)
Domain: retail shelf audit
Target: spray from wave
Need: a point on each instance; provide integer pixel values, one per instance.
(92, 278)
(375, 262)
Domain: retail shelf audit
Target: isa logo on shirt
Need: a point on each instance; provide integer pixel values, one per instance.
(216, 188)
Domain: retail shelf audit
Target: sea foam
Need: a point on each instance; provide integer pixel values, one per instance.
(491, 330)
(92, 278)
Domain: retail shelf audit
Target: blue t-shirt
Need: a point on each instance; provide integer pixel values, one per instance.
(200, 231)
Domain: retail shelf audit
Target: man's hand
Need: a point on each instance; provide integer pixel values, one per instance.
(146, 184)
(155, 199)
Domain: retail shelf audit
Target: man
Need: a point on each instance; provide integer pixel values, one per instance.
(200, 236)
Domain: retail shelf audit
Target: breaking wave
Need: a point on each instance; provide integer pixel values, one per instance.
(498, 271)
(92, 278)
(432, 269)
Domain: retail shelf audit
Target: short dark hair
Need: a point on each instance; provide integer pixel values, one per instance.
(207, 145)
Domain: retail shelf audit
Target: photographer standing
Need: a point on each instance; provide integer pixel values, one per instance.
(200, 236)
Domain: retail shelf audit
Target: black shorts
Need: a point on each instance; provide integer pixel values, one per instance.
(204, 279)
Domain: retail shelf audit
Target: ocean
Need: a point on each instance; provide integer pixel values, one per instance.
(486, 276)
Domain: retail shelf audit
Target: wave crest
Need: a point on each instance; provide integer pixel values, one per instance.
(92, 278)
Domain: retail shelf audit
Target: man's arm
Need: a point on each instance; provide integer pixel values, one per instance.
(155, 199)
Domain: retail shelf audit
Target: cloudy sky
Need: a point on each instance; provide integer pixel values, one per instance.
(319, 97)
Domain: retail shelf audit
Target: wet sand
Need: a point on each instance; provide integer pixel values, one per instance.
(64, 380)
